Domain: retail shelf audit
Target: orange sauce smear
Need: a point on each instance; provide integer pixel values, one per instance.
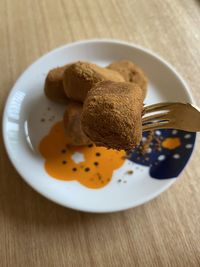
(94, 172)
(171, 143)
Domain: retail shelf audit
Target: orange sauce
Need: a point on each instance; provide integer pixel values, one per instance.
(171, 142)
(94, 172)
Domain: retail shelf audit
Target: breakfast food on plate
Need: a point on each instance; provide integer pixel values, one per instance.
(72, 125)
(80, 77)
(103, 105)
(112, 115)
(131, 73)
(53, 88)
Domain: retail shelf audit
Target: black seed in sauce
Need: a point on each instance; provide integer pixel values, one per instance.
(98, 154)
(42, 120)
(90, 145)
(96, 163)
(74, 169)
(87, 169)
(63, 151)
(64, 162)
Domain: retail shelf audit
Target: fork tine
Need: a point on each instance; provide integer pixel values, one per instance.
(155, 126)
(160, 116)
(176, 115)
(159, 106)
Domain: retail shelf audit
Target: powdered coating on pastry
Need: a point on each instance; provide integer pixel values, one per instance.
(72, 124)
(80, 77)
(111, 115)
(54, 89)
(131, 73)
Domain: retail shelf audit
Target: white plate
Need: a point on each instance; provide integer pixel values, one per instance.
(22, 129)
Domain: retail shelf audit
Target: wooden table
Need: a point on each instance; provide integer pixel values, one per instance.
(36, 232)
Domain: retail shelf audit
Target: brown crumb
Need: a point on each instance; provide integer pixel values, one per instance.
(145, 146)
(130, 172)
(99, 176)
(125, 157)
(153, 142)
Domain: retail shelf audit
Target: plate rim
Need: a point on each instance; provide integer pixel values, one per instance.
(68, 45)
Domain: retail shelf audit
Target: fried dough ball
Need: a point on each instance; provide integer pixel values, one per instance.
(80, 77)
(131, 73)
(54, 89)
(72, 124)
(112, 115)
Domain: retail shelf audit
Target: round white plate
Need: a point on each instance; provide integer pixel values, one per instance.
(22, 129)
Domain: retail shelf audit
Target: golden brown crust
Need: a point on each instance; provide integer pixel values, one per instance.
(111, 115)
(53, 88)
(131, 73)
(72, 124)
(80, 77)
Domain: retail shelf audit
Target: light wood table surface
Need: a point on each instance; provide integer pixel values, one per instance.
(36, 232)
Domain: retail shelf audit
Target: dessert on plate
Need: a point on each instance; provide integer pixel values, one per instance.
(131, 73)
(111, 115)
(103, 105)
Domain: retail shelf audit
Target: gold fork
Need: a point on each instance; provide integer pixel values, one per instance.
(171, 115)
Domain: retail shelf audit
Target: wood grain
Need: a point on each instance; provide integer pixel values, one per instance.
(36, 232)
